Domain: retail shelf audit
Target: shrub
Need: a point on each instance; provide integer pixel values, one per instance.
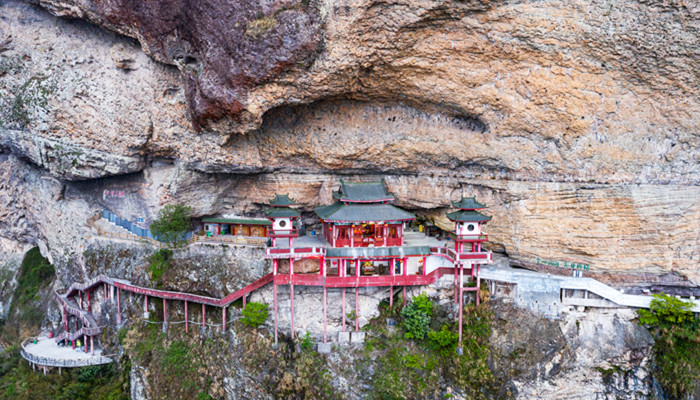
(676, 332)
(172, 223)
(444, 341)
(159, 262)
(416, 322)
(423, 303)
(254, 314)
(307, 342)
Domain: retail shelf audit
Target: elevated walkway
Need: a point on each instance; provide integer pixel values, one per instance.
(547, 293)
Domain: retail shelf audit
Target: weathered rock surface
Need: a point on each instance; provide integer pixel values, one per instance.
(599, 354)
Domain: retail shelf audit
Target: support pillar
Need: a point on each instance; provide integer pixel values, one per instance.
(291, 293)
(461, 301)
(405, 273)
(187, 319)
(244, 299)
(274, 296)
(343, 304)
(85, 343)
(204, 316)
(325, 318)
(165, 314)
(145, 306)
(357, 308)
(425, 266)
(391, 296)
(92, 346)
(478, 281)
(291, 299)
(223, 317)
(119, 306)
(89, 306)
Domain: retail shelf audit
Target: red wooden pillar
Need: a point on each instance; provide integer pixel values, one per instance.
(325, 319)
(223, 317)
(119, 306)
(187, 319)
(165, 314)
(342, 270)
(405, 273)
(461, 301)
(204, 316)
(478, 281)
(291, 292)
(89, 306)
(275, 265)
(425, 266)
(357, 295)
(145, 305)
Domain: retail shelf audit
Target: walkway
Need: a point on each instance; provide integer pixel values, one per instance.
(47, 353)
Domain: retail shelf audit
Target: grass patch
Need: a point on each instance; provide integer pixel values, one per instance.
(258, 27)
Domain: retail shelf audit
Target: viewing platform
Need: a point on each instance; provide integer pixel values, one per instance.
(47, 352)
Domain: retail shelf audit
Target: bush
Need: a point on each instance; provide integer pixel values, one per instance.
(255, 314)
(677, 334)
(307, 342)
(444, 341)
(159, 262)
(172, 223)
(416, 317)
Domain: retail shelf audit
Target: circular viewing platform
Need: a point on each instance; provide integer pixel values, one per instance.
(47, 353)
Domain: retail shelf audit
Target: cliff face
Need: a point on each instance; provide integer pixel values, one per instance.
(576, 122)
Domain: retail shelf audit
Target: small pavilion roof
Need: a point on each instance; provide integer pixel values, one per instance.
(282, 200)
(282, 212)
(468, 216)
(468, 203)
(341, 212)
(363, 192)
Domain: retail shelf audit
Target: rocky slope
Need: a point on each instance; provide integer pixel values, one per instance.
(575, 121)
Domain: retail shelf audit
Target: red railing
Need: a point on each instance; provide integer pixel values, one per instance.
(283, 233)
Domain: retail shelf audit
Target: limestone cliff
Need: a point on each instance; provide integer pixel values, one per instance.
(575, 121)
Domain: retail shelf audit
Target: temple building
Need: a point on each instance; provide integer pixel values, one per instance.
(364, 242)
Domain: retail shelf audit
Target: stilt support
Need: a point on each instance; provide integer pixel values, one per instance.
(274, 295)
(291, 299)
(165, 315)
(325, 318)
(343, 311)
(357, 308)
(204, 316)
(187, 319)
(223, 318)
(119, 306)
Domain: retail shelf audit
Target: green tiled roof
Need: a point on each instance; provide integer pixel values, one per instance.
(468, 216)
(342, 212)
(282, 212)
(468, 203)
(237, 221)
(282, 200)
(363, 192)
(360, 252)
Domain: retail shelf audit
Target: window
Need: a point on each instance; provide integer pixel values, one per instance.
(470, 227)
(283, 223)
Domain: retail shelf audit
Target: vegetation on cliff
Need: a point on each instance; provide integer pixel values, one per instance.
(172, 223)
(677, 350)
(421, 361)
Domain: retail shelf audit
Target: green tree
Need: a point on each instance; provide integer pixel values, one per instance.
(254, 314)
(416, 317)
(172, 223)
(677, 353)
